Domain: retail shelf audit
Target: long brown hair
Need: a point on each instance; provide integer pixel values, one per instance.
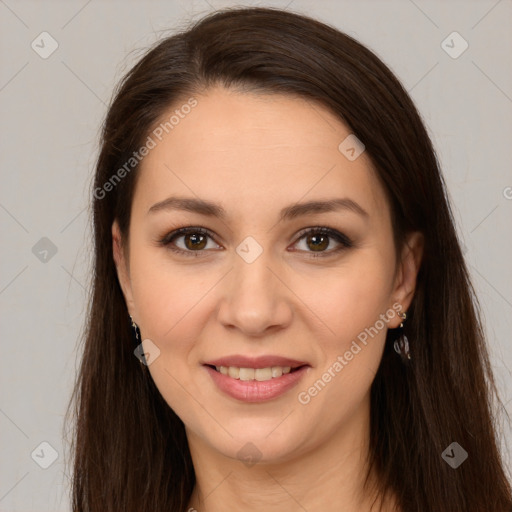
(130, 451)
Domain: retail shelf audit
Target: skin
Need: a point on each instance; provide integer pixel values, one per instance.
(255, 154)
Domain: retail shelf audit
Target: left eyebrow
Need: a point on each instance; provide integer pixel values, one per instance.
(211, 209)
(331, 205)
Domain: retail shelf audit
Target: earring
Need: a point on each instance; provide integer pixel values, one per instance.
(401, 345)
(139, 350)
(136, 331)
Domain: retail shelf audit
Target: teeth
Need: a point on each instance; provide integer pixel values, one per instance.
(234, 372)
(247, 373)
(259, 374)
(277, 371)
(262, 374)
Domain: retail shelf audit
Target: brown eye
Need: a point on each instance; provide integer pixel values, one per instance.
(188, 241)
(195, 241)
(318, 240)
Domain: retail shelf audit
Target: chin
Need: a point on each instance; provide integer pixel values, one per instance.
(253, 445)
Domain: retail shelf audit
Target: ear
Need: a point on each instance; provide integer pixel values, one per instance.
(122, 267)
(405, 281)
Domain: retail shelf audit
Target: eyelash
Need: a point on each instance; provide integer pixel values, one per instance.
(344, 240)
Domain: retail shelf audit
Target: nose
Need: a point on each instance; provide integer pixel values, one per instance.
(255, 299)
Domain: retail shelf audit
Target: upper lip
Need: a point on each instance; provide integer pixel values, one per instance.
(255, 362)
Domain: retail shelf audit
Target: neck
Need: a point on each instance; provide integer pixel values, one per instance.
(329, 475)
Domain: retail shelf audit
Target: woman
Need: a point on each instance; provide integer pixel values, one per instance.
(281, 317)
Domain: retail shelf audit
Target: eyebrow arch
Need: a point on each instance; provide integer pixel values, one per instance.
(211, 209)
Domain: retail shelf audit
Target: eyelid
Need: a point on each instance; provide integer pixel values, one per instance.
(168, 239)
(345, 241)
(325, 230)
(342, 239)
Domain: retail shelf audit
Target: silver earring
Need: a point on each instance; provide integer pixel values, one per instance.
(401, 345)
(136, 331)
(139, 350)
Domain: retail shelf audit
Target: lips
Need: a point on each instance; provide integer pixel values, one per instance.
(262, 388)
(256, 362)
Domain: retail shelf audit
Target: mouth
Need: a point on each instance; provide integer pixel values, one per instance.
(255, 380)
(255, 374)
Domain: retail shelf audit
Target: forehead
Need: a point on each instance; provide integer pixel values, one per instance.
(247, 149)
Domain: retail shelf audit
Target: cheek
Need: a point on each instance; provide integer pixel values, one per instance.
(350, 298)
(167, 297)
(171, 306)
(350, 304)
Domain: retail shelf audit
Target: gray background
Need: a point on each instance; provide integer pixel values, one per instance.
(52, 110)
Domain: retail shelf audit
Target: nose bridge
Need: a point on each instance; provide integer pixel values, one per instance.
(254, 275)
(256, 299)
(253, 279)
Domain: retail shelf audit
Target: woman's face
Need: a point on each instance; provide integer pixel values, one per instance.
(260, 286)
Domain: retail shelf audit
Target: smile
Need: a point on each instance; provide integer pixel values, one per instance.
(255, 384)
(259, 374)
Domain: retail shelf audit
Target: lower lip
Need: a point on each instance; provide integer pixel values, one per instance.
(253, 390)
